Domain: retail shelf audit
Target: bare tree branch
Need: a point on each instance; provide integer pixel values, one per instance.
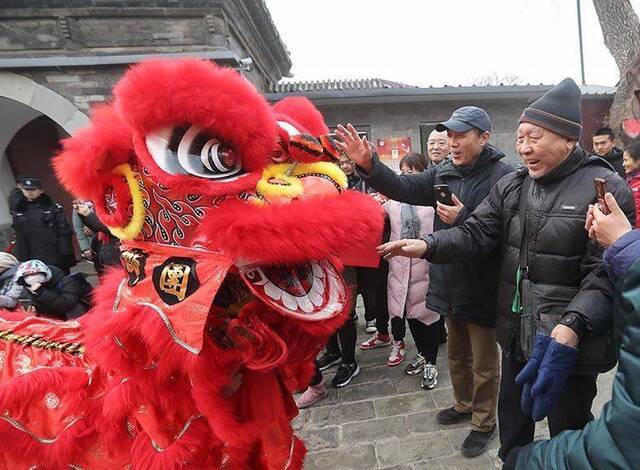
(493, 79)
(621, 31)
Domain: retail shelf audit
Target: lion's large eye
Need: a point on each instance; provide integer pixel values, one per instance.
(192, 151)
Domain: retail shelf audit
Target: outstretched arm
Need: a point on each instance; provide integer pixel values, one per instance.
(479, 235)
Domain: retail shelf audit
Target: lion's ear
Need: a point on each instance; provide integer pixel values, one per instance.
(303, 114)
(94, 165)
(93, 152)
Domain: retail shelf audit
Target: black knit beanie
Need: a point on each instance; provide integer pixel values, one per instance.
(557, 110)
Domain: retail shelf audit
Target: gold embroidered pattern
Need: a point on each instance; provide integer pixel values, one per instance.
(182, 432)
(35, 341)
(134, 263)
(172, 331)
(175, 279)
(42, 440)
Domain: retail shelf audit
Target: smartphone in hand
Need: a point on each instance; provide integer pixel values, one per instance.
(601, 190)
(443, 194)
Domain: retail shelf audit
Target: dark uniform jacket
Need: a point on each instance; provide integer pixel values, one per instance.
(43, 232)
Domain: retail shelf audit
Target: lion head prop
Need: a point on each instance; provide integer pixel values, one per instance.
(233, 218)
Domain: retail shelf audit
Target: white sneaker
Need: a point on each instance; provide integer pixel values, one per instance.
(429, 377)
(397, 353)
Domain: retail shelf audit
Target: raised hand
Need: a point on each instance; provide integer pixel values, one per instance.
(408, 247)
(354, 147)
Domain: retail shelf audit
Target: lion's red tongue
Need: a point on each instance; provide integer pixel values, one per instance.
(310, 291)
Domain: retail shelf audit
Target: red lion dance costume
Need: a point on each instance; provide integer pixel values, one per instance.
(231, 215)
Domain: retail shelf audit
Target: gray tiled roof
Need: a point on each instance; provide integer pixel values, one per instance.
(363, 84)
(336, 84)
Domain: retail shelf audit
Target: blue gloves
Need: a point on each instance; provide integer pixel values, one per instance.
(556, 366)
(529, 373)
(543, 379)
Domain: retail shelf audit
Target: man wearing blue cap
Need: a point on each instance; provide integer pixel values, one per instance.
(463, 292)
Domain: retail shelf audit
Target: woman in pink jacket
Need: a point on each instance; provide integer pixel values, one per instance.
(407, 286)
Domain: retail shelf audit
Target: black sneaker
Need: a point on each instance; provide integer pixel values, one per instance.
(344, 375)
(429, 377)
(451, 416)
(328, 359)
(477, 442)
(416, 366)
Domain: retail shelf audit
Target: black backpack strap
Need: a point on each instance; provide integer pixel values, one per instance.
(523, 268)
(522, 213)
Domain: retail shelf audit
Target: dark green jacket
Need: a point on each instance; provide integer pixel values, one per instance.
(613, 440)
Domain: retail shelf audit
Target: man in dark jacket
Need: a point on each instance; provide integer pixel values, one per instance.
(465, 291)
(604, 145)
(41, 227)
(554, 285)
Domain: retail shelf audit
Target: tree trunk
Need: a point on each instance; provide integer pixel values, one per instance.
(621, 32)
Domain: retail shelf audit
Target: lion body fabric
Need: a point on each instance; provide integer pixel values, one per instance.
(233, 220)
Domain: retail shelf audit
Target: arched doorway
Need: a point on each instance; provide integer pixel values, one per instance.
(29, 153)
(34, 114)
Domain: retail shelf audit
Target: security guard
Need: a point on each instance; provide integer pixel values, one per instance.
(41, 227)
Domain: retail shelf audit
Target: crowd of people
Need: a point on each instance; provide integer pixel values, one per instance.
(494, 261)
(503, 256)
(35, 270)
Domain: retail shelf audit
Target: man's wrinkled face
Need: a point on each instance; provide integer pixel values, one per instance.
(465, 147)
(437, 146)
(346, 165)
(31, 194)
(541, 150)
(602, 145)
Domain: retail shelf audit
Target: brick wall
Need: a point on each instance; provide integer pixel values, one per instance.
(403, 119)
(93, 28)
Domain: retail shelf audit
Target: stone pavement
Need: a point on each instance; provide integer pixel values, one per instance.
(384, 420)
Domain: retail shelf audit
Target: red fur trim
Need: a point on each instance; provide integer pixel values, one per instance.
(306, 229)
(297, 458)
(17, 395)
(188, 451)
(92, 152)
(302, 114)
(261, 347)
(208, 395)
(161, 93)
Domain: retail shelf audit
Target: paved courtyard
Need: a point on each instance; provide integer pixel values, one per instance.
(384, 420)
